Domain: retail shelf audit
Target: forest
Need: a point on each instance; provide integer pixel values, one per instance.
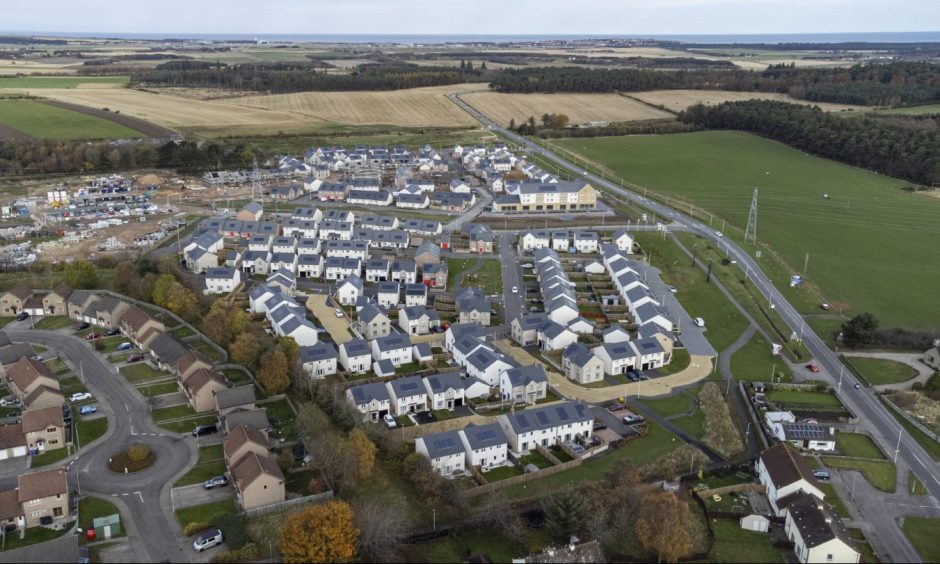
(903, 148)
(299, 77)
(898, 83)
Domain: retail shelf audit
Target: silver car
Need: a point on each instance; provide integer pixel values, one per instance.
(207, 539)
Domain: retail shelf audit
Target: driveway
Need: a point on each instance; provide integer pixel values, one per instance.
(144, 496)
(188, 496)
(326, 315)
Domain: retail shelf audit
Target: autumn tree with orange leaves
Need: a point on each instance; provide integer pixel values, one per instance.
(320, 533)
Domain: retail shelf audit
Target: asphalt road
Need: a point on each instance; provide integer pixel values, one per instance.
(144, 494)
(873, 416)
(513, 304)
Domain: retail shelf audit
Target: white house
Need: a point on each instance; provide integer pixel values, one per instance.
(416, 295)
(395, 348)
(486, 446)
(372, 400)
(523, 384)
(309, 266)
(617, 357)
(581, 365)
(388, 294)
(783, 472)
(546, 426)
(408, 395)
(405, 271)
(355, 356)
(417, 320)
(623, 240)
(531, 240)
(553, 336)
(445, 450)
(319, 360)
(615, 334)
(336, 268)
(222, 280)
(807, 435)
(586, 241)
(377, 270)
(487, 365)
(349, 290)
(412, 201)
(811, 528)
(298, 328)
(446, 391)
(258, 296)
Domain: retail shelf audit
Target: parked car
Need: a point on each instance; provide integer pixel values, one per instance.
(209, 429)
(79, 396)
(92, 336)
(9, 401)
(339, 312)
(633, 419)
(616, 407)
(88, 409)
(633, 376)
(111, 332)
(812, 367)
(390, 421)
(125, 346)
(83, 325)
(526, 265)
(699, 322)
(672, 289)
(821, 475)
(599, 426)
(22, 315)
(207, 539)
(136, 357)
(215, 482)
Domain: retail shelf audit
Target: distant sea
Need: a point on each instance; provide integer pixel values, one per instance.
(884, 37)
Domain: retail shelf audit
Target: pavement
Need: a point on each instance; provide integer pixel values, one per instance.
(196, 494)
(62, 549)
(143, 497)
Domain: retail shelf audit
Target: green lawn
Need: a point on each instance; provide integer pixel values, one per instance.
(724, 324)
(922, 532)
(34, 535)
(913, 110)
(141, 372)
(915, 486)
(501, 473)
(186, 426)
(734, 544)
(693, 424)
(931, 446)
(49, 457)
(202, 513)
(174, 412)
(5, 320)
(90, 508)
(754, 363)
(207, 350)
(680, 361)
(182, 331)
(88, 431)
(278, 411)
(51, 322)
(536, 459)
(671, 405)
(881, 473)
(833, 499)
(719, 170)
(489, 276)
(878, 371)
(110, 344)
(201, 472)
(48, 122)
(211, 453)
(235, 376)
(794, 397)
(159, 389)
(59, 81)
(858, 445)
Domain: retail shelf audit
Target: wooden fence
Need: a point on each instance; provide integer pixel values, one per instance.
(527, 477)
(275, 507)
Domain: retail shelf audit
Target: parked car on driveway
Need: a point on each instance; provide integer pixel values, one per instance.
(22, 315)
(9, 401)
(390, 421)
(616, 407)
(111, 332)
(339, 312)
(88, 409)
(207, 539)
(812, 367)
(92, 336)
(83, 325)
(125, 346)
(137, 357)
(215, 482)
(79, 396)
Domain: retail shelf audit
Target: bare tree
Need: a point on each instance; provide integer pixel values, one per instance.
(383, 524)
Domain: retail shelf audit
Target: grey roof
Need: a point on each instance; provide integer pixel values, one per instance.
(471, 299)
(295, 322)
(813, 525)
(406, 198)
(167, 348)
(423, 350)
(317, 352)
(353, 280)
(461, 329)
(439, 383)
(377, 264)
(529, 187)
(253, 207)
(615, 329)
(232, 397)
(648, 345)
(416, 289)
(523, 375)
(585, 236)
(369, 312)
(377, 197)
(375, 220)
(578, 354)
(532, 320)
(388, 288)
(466, 344)
(365, 393)
(549, 416)
(428, 247)
(552, 329)
(404, 266)
(446, 443)
(343, 245)
(254, 418)
(393, 342)
(356, 347)
(651, 329)
(619, 351)
(407, 386)
(483, 436)
(14, 352)
(483, 358)
(260, 290)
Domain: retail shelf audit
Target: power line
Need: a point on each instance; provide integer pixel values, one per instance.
(750, 234)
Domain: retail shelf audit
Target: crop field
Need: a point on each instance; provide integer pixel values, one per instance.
(678, 100)
(42, 82)
(862, 231)
(415, 107)
(580, 108)
(914, 110)
(35, 119)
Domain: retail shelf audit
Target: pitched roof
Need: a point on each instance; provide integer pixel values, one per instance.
(320, 351)
(483, 436)
(785, 466)
(365, 393)
(189, 359)
(810, 520)
(62, 290)
(135, 318)
(202, 378)
(393, 342)
(251, 467)
(254, 418)
(240, 435)
(10, 506)
(446, 443)
(407, 386)
(356, 347)
(40, 419)
(370, 312)
(12, 435)
(524, 375)
(232, 397)
(39, 392)
(549, 416)
(22, 291)
(42, 484)
(439, 383)
(26, 370)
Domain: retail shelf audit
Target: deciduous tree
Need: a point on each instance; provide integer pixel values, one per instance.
(320, 533)
(565, 514)
(364, 450)
(662, 526)
(81, 274)
(382, 524)
(273, 372)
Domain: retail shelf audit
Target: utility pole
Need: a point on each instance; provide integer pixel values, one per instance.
(805, 264)
(750, 234)
(898, 448)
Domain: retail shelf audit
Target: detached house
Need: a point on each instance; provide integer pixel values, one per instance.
(395, 348)
(416, 295)
(349, 290)
(581, 365)
(43, 495)
(319, 360)
(472, 306)
(258, 481)
(623, 241)
(372, 400)
(355, 356)
(523, 384)
(222, 280)
(435, 275)
(407, 395)
(445, 450)
(417, 320)
(387, 294)
(373, 322)
(486, 446)
(44, 428)
(446, 390)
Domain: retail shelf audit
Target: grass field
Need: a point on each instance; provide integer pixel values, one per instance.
(927, 443)
(754, 363)
(88, 431)
(914, 110)
(670, 405)
(833, 499)
(922, 532)
(52, 322)
(201, 472)
(43, 121)
(796, 397)
(90, 508)
(489, 276)
(580, 108)
(203, 513)
(859, 445)
(734, 544)
(881, 473)
(678, 100)
(877, 371)
(719, 170)
(37, 82)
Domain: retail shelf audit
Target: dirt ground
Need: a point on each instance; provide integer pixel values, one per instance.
(125, 233)
(580, 108)
(325, 314)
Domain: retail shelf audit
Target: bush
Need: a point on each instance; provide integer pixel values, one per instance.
(138, 452)
(233, 529)
(247, 553)
(195, 528)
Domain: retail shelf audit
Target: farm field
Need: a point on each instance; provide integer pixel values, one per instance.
(914, 110)
(580, 108)
(35, 119)
(678, 100)
(38, 82)
(415, 107)
(718, 171)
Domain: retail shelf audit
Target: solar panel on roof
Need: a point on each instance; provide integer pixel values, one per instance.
(441, 444)
(486, 435)
(408, 386)
(523, 419)
(543, 419)
(647, 345)
(619, 349)
(562, 413)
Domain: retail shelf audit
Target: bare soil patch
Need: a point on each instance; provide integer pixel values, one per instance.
(139, 125)
(580, 108)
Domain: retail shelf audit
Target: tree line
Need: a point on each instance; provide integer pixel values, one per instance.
(908, 149)
(897, 83)
(298, 77)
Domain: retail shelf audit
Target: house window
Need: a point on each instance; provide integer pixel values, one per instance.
(57, 512)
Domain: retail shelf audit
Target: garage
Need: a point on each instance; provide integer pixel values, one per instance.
(12, 452)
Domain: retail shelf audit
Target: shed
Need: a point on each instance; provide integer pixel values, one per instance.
(107, 526)
(757, 523)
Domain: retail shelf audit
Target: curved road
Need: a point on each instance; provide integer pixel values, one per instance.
(145, 495)
(874, 417)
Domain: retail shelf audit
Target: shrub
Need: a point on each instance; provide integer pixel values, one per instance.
(247, 553)
(194, 528)
(233, 528)
(138, 452)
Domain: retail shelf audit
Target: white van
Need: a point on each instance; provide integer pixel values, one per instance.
(207, 539)
(699, 322)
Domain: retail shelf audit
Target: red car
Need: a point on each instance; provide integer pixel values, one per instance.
(135, 357)
(92, 336)
(616, 407)
(812, 367)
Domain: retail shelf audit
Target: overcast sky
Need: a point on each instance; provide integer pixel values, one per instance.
(514, 17)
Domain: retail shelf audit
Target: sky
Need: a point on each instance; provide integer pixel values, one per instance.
(471, 17)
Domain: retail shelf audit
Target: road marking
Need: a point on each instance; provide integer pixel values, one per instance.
(114, 495)
(141, 496)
